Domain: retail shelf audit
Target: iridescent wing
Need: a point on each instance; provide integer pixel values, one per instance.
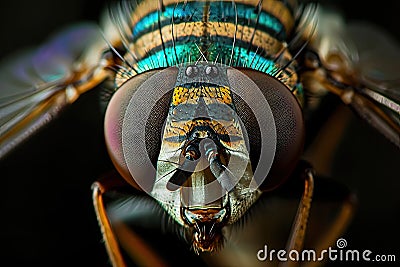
(360, 62)
(37, 84)
(378, 61)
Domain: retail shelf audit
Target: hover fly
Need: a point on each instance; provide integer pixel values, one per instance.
(207, 107)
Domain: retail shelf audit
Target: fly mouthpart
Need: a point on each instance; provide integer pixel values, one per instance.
(206, 223)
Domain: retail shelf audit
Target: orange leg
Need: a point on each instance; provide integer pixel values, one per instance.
(116, 234)
(334, 230)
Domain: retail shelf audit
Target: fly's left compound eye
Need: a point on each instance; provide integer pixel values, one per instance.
(149, 130)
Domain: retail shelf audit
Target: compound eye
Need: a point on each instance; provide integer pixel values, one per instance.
(289, 125)
(151, 126)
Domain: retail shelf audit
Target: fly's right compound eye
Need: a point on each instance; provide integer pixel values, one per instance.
(287, 116)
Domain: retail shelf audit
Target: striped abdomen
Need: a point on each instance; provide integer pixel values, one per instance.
(248, 34)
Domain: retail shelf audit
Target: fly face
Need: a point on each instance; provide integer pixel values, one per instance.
(209, 143)
(196, 153)
(203, 169)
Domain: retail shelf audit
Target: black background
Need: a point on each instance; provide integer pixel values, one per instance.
(47, 218)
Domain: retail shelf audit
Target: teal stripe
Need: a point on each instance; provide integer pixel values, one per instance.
(186, 53)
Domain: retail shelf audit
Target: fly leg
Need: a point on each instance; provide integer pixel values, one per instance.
(99, 188)
(116, 234)
(375, 108)
(319, 227)
(298, 232)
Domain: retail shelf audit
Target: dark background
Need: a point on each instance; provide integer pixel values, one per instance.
(47, 218)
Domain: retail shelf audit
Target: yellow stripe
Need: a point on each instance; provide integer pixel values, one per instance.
(243, 33)
(181, 128)
(273, 7)
(182, 94)
(276, 9)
